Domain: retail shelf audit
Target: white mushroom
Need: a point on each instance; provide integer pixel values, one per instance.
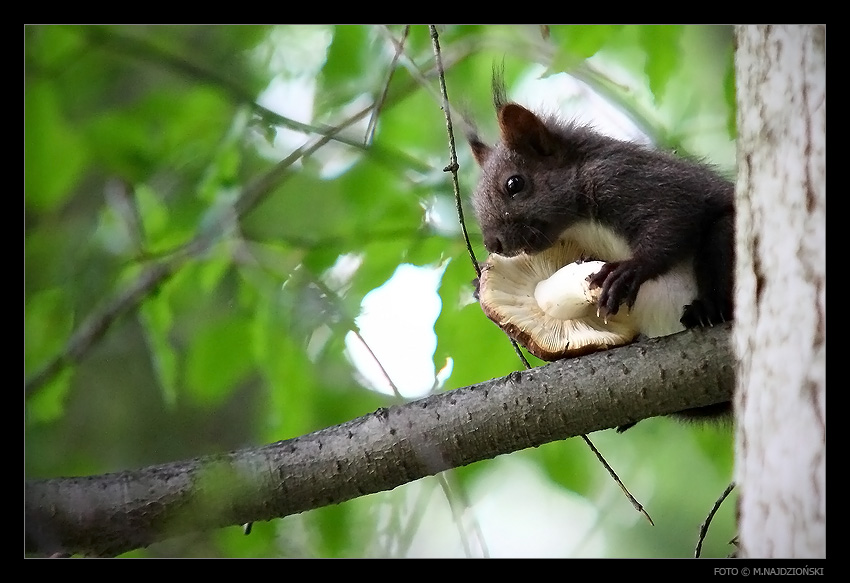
(544, 301)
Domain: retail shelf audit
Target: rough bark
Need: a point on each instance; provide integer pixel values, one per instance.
(113, 513)
(780, 333)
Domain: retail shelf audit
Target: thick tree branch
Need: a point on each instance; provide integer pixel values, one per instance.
(113, 513)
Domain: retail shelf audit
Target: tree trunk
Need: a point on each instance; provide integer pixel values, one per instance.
(780, 319)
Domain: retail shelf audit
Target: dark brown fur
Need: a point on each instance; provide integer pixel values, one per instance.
(546, 175)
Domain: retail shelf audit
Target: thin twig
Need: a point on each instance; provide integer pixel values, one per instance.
(703, 529)
(338, 306)
(457, 512)
(519, 353)
(420, 77)
(374, 356)
(373, 120)
(453, 167)
(96, 325)
(638, 506)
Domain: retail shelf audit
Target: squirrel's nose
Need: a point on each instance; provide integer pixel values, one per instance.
(493, 244)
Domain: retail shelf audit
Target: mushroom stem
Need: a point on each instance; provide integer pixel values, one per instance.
(567, 294)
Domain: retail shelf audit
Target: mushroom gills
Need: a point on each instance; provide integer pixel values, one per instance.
(544, 302)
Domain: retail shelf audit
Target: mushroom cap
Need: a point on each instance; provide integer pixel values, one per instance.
(507, 295)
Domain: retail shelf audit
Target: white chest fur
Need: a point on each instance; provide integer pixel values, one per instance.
(660, 301)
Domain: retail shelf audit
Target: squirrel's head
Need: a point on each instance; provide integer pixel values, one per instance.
(522, 200)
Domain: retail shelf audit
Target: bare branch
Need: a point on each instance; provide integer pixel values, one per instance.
(114, 513)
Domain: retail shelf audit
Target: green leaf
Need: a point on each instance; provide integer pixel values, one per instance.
(181, 128)
(579, 42)
(214, 269)
(156, 319)
(415, 134)
(477, 347)
(51, 47)
(353, 67)
(54, 154)
(382, 201)
(661, 43)
(364, 204)
(153, 213)
(48, 319)
(197, 121)
(285, 367)
(301, 211)
(48, 403)
(218, 359)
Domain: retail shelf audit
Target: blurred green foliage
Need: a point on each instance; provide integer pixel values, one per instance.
(142, 142)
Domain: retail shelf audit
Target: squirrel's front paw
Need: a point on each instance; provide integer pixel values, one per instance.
(620, 282)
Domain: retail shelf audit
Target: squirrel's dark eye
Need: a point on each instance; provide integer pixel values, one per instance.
(515, 184)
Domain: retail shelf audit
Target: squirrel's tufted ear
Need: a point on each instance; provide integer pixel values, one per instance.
(480, 150)
(523, 131)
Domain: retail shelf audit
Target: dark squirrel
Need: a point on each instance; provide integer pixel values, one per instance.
(547, 176)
